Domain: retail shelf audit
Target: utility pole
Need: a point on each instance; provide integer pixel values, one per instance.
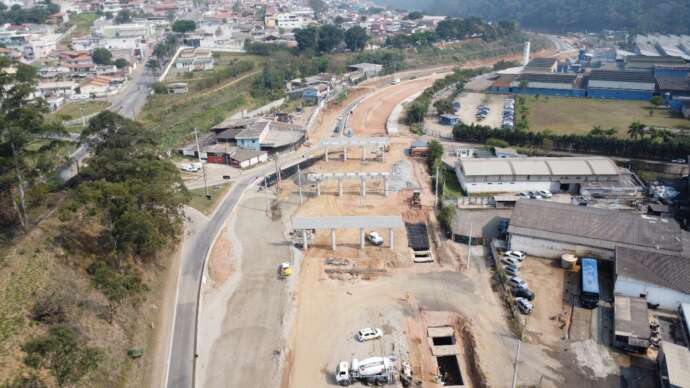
(517, 353)
(469, 248)
(436, 190)
(203, 166)
(299, 180)
(268, 203)
(278, 177)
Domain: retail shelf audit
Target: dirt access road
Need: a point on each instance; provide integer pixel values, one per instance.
(241, 335)
(369, 118)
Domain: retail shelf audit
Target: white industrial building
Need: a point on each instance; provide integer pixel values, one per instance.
(289, 21)
(550, 229)
(501, 175)
(662, 278)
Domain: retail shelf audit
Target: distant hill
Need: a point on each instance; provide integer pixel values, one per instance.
(665, 16)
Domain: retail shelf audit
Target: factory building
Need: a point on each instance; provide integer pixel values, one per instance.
(662, 278)
(550, 229)
(621, 84)
(550, 84)
(501, 175)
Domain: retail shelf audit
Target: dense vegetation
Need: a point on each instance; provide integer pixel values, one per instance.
(419, 108)
(23, 169)
(326, 38)
(668, 16)
(656, 145)
(18, 15)
(454, 30)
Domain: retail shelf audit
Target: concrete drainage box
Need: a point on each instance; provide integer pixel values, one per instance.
(444, 347)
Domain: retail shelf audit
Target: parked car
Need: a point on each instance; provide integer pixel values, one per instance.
(522, 293)
(511, 262)
(524, 305)
(369, 333)
(679, 161)
(524, 194)
(517, 255)
(545, 193)
(516, 281)
(191, 167)
(375, 238)
(510, 270)
(535, 196)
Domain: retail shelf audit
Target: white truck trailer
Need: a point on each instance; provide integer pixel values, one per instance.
(374, 370)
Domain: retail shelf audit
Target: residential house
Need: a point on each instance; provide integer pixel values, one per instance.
(194, 60)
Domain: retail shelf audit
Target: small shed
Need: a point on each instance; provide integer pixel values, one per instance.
(247, 158)
(631, 324)
(419, 148)
(674, 365)
(448, 119)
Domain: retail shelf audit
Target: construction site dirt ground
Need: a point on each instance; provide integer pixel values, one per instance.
(391, 292)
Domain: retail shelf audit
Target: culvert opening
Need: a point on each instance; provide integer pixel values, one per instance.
(441, 341)
(449, 370)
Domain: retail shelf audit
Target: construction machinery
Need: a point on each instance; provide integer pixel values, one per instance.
(416, 200)
(374, 370)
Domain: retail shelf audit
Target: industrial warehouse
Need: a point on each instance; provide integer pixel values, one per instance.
(637, 77)
(501, 175)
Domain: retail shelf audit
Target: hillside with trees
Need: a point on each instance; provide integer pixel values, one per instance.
(666, 16)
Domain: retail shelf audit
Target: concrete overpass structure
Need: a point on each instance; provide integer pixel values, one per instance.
(340, 176)
(348, 222)
(378, 143)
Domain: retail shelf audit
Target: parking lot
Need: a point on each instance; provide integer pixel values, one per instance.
(468, 108)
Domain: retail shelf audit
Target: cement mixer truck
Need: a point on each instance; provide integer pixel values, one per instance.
(374, 370)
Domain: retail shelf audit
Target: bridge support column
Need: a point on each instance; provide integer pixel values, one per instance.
(333, 239)
(318, 188)
(361, 238)
(391, 237)
(326, 153)
(340, 187)
(345, 153)
(385, 186)
(305, 244)
(363, 187)
(364, 152)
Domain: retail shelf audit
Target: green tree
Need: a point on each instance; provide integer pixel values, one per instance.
(636, 130)
(414, 15)
(318, 6)
(102, 56)
(435, 155)
(329, 38)
(22, 119)
(443, 106)
(121, 63)
(184, 26)
(657, 101)
(416, 113)
(123, 17)
(356, 38)
(307, 39)
(338, 20)
(64, 353)
(135, 195)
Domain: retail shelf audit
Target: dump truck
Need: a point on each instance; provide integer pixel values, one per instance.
(374, 370)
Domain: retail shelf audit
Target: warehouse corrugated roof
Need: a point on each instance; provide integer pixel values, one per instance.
(568, 166)
(678, 364)
(560, 78)
(545, 219)
(631, 317)
(671, 271)
(621, 76)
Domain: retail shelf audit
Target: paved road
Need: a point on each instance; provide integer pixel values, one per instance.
(128, 103)
(180, 369)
